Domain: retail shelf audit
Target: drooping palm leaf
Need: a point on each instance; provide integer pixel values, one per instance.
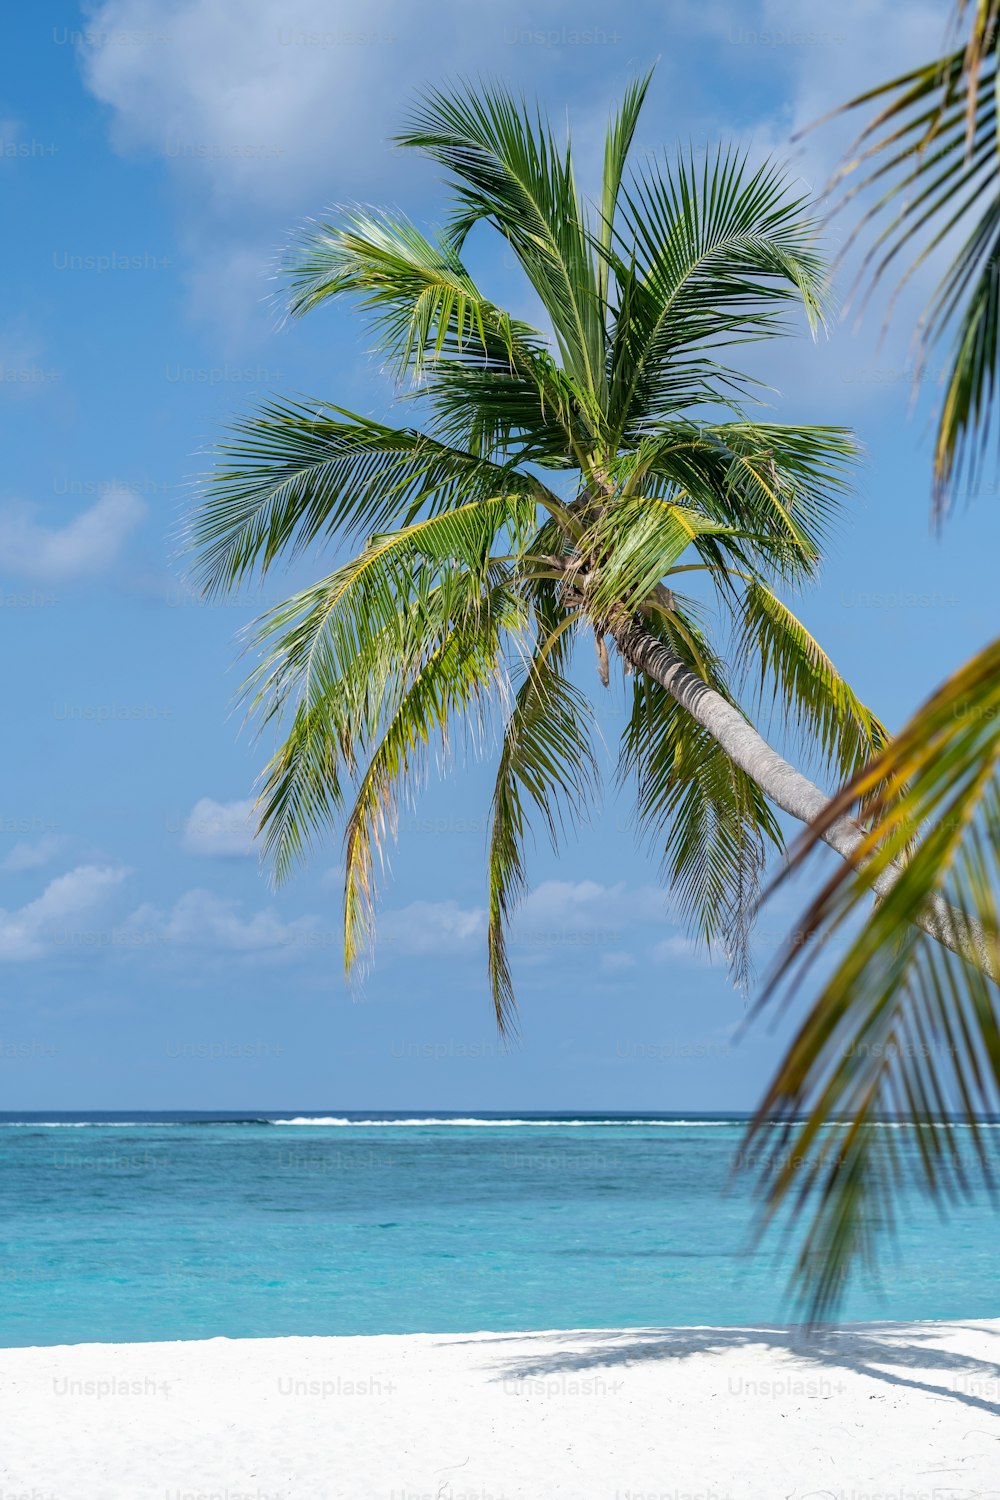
(781, 486)
(460, 675)
(547, 763)
(806, 686)
(930, 156)
(344, 654)
(707, 820)
(295, 476)
(902, 1028)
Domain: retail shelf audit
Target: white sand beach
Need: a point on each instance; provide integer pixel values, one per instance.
(873, 1412)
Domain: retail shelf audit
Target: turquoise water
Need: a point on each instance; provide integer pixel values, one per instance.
(149, 1228)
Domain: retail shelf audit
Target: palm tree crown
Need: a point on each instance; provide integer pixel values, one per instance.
(566, 482)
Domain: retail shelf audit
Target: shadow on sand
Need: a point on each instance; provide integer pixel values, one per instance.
(883, 1352)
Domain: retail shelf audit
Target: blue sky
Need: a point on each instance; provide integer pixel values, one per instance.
(155, 158)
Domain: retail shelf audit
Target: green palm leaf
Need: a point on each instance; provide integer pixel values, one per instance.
(423, 302)
(296, 476)
(935, 147)
(509, 170)
(781, 487)
(457, 677)
(617, 144)
(838, 727)
(546, 763)
(706, 818)
(902, 1028)
(714, 258)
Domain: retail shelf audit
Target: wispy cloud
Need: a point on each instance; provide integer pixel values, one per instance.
(431, 927)
(35, 930)
(202, 920)
(557, 915)
(243, 103)
(588, 902)
(679, 949)
(88, 544)
(263, 115)
(220, 830)
(254, 111)
(31, 856)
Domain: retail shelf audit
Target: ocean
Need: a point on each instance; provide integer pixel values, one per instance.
(189, 1226)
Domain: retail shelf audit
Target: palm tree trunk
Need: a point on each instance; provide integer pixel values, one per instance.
(785, 786)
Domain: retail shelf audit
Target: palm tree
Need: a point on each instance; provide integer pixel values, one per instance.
(565, 485)
(901, 1027)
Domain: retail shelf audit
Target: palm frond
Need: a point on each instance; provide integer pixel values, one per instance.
(902, 1028)
(781, 487)
(422, 301)
(367, 623)
(301, 796)
(705, 259)
(293, 476)
(527, 415)
(547, 764)
(637, 540)
(342, 675)
(343, 655)
(935, 148)
(617, 144)
(509, 171)
(464, 670)
(709, 822)
(802, 679)
(968, 411)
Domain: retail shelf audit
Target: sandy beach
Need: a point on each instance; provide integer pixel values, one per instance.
(873, 1412)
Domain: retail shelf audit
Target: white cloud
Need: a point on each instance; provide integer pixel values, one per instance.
(27, 856)
(36, 929)
(432, 927)
(556, 915)
(200, 919)
(250, 104)
(586, 918)
(220, 830)
(233, 290)
(581, 903)
(255, 112)
(264, 116)
(86, 545)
